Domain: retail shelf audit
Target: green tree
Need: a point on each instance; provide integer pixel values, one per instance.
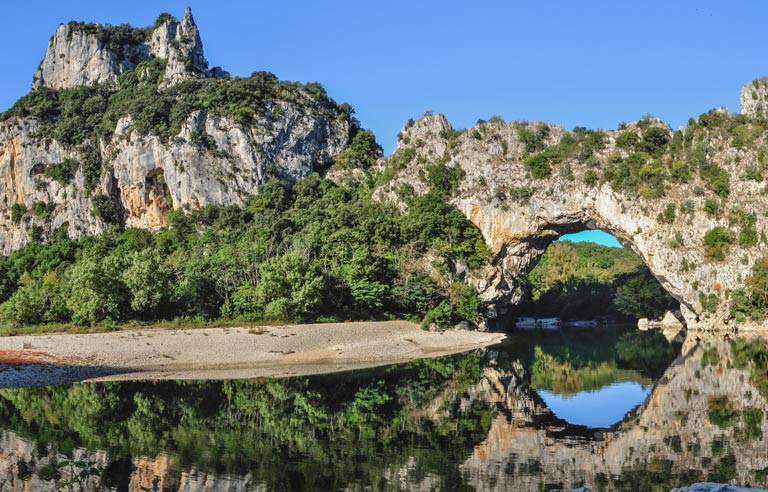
(94, 292)
(147, 280)
(641, 296)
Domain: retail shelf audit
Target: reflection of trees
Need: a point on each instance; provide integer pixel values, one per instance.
(455, 423)
(289, 434)
(568, 378)
(584, 280)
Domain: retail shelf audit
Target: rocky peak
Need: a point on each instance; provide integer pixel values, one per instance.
(86, 54)
(754, 98)
(180, 44)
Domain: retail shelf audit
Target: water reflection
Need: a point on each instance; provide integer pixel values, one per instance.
(480, 421)
(596, 408)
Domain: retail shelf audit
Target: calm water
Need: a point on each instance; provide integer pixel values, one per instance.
(542, 410)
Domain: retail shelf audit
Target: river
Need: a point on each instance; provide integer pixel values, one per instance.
(577, 407)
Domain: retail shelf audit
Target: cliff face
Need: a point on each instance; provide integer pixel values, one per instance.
(214, 158)
(87, 54)
(526, 184)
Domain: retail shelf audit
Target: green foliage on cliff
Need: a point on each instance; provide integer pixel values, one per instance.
(312, 251)
(583, 280)
(361, 153)
(752, 300)
(17, 212)
(62, 172)
(82, 117)
(717, 242)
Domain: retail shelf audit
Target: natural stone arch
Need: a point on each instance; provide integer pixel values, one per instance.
(524, 235)
(520, 215)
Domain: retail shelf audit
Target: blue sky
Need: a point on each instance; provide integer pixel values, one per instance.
(593, 63)
(595, 236)
(601, 408)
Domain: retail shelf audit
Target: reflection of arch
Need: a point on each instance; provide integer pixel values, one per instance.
(672, 427)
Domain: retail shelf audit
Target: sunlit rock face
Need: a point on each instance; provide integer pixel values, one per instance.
(212, 160)
(519, 215)
(77, 55)
(754, 99)
(151, 176)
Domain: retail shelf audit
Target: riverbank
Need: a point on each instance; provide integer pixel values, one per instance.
(223, 353)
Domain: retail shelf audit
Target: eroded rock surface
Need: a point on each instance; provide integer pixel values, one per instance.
(85, 54)
(754, 99)
(215, 158)
(520, 214)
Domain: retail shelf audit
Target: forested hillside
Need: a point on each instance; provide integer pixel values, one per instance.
(307, 252)
(583, 280)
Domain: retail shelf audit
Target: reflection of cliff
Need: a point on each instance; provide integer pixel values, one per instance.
(507, 439)
(669, 435)
(25, 468)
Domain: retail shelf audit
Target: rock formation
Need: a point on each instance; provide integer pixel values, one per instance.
(660, 206)
(524, 184)
(754, 99)
(87, 54)
(214, 158)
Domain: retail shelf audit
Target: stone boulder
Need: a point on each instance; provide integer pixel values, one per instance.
(754, 99)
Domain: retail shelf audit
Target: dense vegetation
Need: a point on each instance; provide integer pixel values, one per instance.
(752, 300)
(82, 117)
(312, 251)
(585, 280)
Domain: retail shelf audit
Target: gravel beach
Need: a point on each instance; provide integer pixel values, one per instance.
(223, 353)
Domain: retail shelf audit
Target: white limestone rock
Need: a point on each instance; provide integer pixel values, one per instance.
(754, 99)
(77, 55)
(519, 216)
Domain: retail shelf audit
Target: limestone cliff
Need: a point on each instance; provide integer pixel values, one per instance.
(120, 128)
(86, 54)
(659, 192)
(754, 99)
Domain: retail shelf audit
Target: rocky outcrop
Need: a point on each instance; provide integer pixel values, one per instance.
(213, 159)
(754, 99)
(519, 214)
(150, 176)
(87, 54)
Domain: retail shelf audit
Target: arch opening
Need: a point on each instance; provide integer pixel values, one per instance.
(592, 360)
(583, 276)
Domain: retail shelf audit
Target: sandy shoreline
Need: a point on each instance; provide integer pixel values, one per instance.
(223, 353)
